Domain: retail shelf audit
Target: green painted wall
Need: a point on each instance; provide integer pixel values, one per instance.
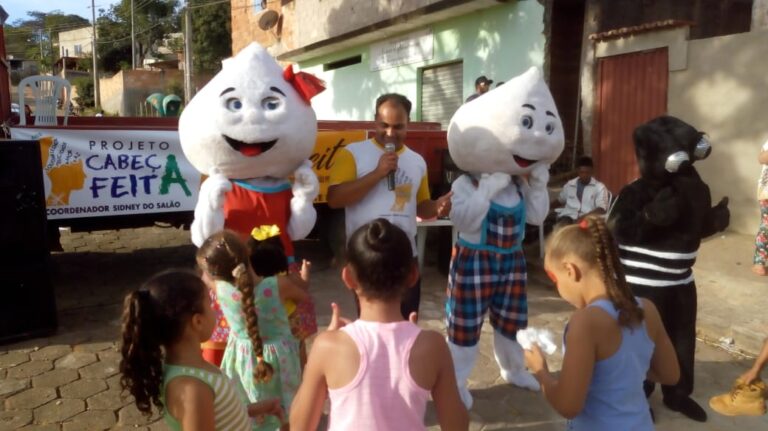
(499, 42)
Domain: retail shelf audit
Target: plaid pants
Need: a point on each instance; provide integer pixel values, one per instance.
(480, 280)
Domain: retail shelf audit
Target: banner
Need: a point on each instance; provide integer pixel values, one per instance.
(327, 146)
(93, 173)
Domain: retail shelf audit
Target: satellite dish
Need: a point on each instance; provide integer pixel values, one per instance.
(268, 19)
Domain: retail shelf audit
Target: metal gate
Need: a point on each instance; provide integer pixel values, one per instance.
(441, 92)
(632, 89)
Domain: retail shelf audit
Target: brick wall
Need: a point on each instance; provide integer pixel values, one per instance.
(245, 27)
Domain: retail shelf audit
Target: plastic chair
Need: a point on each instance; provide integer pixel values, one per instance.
(47, 91)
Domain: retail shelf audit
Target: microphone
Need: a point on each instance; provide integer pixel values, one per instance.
(390, 148)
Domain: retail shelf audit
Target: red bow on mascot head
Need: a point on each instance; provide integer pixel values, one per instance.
(307, 85)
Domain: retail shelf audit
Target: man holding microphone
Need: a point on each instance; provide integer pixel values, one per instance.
(381, 177)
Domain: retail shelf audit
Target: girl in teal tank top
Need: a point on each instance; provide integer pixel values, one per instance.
(162, 365)
(614, 340)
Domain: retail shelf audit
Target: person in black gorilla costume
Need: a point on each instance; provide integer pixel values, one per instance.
(659, 221)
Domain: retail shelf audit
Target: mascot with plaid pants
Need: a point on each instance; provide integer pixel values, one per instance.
(505, 141)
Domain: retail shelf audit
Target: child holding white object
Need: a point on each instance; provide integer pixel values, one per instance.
(613, 342)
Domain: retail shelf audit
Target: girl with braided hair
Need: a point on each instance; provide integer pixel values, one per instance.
(261, 351)
(614, 341)
(164, 322)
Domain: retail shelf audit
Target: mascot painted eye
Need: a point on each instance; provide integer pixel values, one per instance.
(234, 104)
(270, 103)
(526, 121)
(550, 128)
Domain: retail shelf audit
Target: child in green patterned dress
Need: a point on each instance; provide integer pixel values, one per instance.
(261, 351)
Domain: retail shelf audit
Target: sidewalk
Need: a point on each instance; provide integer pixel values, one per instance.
(70, 381)
(732, 300)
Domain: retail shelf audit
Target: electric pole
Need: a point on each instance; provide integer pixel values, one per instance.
(133, 40)
(96, 96)
(42, 56)
(188, 53)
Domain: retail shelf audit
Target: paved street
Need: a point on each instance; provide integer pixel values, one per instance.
(69, 381)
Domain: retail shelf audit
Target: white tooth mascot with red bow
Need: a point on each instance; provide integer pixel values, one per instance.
(250, 129)
(505, 140)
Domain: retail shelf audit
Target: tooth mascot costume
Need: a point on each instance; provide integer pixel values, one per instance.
(505, 140)
(249, 129)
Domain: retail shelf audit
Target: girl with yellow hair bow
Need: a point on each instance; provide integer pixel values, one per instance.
(268, 259)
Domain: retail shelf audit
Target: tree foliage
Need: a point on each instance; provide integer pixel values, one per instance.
(84, 86)
(152, 20)
(37, 36)
(211, 35)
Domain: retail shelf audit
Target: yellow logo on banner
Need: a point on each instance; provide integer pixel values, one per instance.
(62, 169)
(327, 146)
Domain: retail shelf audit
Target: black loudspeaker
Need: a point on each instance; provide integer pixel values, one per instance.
(28, 304)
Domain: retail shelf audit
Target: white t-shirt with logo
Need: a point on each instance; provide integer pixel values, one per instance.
(398, 206)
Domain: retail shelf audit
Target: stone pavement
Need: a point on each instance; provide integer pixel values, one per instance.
(732, 300)
(70, 381)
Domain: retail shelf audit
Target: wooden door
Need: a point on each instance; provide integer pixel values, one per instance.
(632, 89)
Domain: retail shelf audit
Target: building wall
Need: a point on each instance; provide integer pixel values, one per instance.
(125, 93)
(69, 39)
(111, 93)
(500, 42)
(344, 16)
(245, 29)
(723, 91)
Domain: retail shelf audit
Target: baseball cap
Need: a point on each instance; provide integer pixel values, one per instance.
(483, 80)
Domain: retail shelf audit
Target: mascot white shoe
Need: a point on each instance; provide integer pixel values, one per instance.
(250, 129)
(505, 140)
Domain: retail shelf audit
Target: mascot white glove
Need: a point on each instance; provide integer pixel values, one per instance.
(491, 184)
(209, 211)
(470, 202)
(537, 195)
(305, 189)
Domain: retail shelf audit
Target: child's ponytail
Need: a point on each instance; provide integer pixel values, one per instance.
(226, 257)
(154, 316)
(142, 364)
(630, 313)
(244, 282)
(592, 242)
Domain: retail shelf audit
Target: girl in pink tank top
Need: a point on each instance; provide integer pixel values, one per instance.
(379, 371)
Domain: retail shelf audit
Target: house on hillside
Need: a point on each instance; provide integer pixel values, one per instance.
(77, 43)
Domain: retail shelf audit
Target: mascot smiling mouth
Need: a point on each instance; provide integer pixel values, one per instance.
(523, 162)
(250, 149)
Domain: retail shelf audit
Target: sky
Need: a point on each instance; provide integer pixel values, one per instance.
(17, 9)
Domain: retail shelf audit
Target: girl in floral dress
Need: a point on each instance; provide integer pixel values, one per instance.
(268, 259)
(261, 351)
(761, 240)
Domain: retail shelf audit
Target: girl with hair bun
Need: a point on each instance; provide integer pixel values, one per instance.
(380, 370)
(162, 365)
(261, 351)
(614, 341)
